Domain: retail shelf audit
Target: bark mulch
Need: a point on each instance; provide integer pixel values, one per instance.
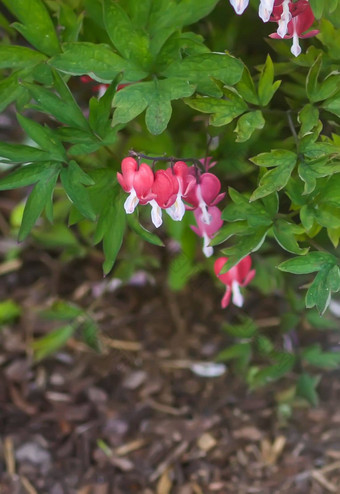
(135, 418)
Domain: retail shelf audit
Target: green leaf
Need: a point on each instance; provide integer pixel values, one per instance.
(111, 226)
(39, 198)
(263, 345)
(44, 137)
(273, 180)
(308, 118)
(18, 153)
(267, 87)
(223, 110)
(132, 220)
(156, 96)
(285, 364)
(284, 233)
(66, 111)
(228, 230)
(100, 110)
(73, 179)
(330, 37)
(320, 322)
(246, 88)
(305, 388)
(333, 279)
(97, 60)
(71, 22)
(203, 68)
(313, 261)
(327, 215)
(181, 269)
(276, 157)
(247, 124)
(244, 245)
(23, 176)
(236, 351)
(256, 214)
(317, 91)
(333, 105)
(17, 57)
(246, 329)
(314, 355)
(307, 217)
(312, 80)
(158, 114)
(319, 293)
(37, 26)
(132, 44)
(317, 7)
(62, 311)
(90, 334)
(10, 90)
(271, 204)
(50, 343)
(9, 311)
(167, 16)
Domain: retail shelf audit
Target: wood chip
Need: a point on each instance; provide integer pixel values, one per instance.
(270, 452)
(333, 453)
(324, 482)
(127, 448)
(20, 402)
(250, 433)
(164, 484)
(206, 442)
(27, 485)
(166, 408)
(9, 266)
(129, 346)
(169, 460)
(9, 455)
(331, 467)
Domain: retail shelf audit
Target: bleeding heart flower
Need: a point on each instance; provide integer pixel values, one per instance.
(185, 183)
(293, 19)
(297, 28)
(239, 5)
(239, 275)
(138, 181)
(205, 194)
(97, 88)
(165, 189)
(207, 231)
(266, 9)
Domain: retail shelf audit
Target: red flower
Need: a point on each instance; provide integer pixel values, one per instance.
(239, 275)
(207, 231)
(165, 189)
(185, 183)
(137, 181)
(97, 88)
(205, 194)
(294, 21)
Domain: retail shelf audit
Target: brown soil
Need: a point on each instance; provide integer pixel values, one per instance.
(134, 418)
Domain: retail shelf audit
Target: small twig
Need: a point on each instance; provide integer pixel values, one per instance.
(130, 346)
(292, 128)
(171, 458)
(127, 448)
(9, 455)
(171, 159)
(27, 485)
(166, 408)
(316, 475)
